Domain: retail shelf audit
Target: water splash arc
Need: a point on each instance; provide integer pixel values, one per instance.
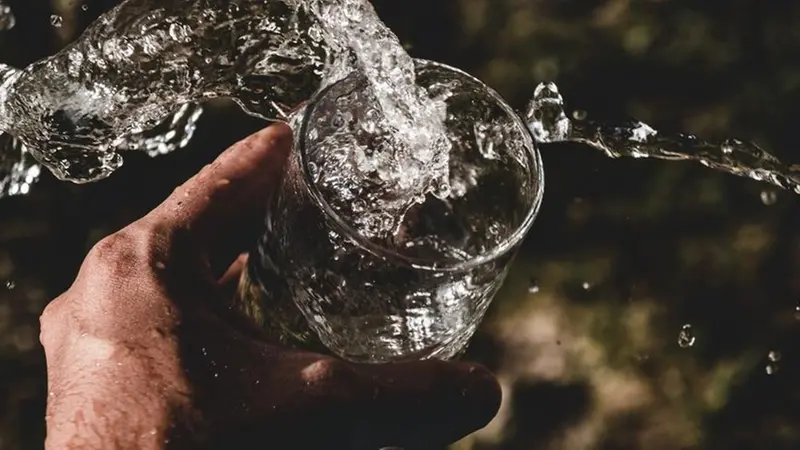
(144, 60)
(549, 122)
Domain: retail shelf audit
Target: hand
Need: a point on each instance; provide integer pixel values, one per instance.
(144, 351)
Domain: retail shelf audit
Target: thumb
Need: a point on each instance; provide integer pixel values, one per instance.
(428, 403)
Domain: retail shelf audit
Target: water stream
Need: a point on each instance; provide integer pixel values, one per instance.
(135, 81)
(549, 122)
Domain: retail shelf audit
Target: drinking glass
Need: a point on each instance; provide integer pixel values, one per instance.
(316, 280)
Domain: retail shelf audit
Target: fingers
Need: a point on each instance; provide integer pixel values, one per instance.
(427, 403)
(223, 206)
(229, 282)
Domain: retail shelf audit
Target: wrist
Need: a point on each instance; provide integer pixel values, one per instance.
(104, 395)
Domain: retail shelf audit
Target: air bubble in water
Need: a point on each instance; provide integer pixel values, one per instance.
(10, 285)
(84, 7)
(797, 312)
(7, 18)
(686, 336)
(586, 286)
(769, 197)
(774, 356)
(56, 20)
(771, 369)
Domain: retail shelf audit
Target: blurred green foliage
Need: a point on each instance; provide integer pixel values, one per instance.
(625, 253)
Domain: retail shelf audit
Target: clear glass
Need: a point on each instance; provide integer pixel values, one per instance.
(317, 282)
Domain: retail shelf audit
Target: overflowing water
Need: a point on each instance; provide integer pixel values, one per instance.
(549, 122)
(115, 88)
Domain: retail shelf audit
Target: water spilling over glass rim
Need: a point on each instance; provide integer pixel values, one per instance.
(301, 121)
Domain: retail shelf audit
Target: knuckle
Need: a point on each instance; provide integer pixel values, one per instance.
(122, 253)
(123, 244)
(329, 371)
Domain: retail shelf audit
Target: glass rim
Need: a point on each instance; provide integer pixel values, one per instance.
(350, 233)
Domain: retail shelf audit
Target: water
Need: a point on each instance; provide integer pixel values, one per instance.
(416, 291)
(19, 170)
(56, 20)
(75, 110)
(686, 336)
(7, 18)
(549, 122)
(144, 60)
(173, 133)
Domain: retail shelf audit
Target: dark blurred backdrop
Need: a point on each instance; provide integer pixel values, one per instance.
(625, 252)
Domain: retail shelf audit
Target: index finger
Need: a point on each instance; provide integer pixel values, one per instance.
(223, 206)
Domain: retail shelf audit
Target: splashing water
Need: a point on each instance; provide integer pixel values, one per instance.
(686, 336)
(7, 18)
(171, 134)
(774, 358)
(549, 122)
(18, 170)
(142, 60)
(56, 20)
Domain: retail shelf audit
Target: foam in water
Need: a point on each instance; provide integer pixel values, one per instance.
(548, 122)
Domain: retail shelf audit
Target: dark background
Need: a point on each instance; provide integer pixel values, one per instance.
(659, 245)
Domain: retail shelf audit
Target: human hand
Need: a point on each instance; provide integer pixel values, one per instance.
(144, 352)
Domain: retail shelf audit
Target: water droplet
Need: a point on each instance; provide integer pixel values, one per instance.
(352, 11)
(580, 115)
(56, 20)
(179, 32)
(729, 146)
(769, 197)
(7, 18)
(686, 337)
(10, 285)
